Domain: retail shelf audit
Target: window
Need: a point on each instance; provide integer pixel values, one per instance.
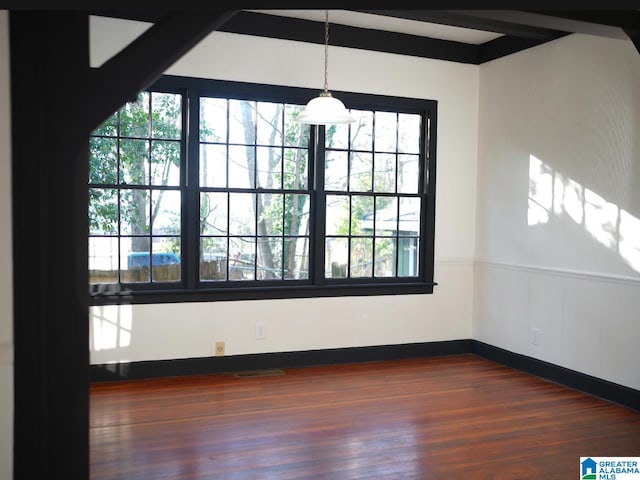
(254, 191)
(209, 190)
(135, 193)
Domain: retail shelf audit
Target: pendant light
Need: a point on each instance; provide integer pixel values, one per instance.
(325, 109)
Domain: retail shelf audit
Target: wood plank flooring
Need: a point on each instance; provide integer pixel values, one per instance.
(453, 417)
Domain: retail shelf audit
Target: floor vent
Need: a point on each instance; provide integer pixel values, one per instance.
(273, 372)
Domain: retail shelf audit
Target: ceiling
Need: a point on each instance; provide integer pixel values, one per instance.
(465, 36)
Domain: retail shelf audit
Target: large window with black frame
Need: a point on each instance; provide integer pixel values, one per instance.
(203, 190)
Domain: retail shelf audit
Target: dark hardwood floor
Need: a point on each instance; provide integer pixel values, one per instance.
(453, 417)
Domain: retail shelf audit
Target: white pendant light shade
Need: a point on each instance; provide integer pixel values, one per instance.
(325, 110)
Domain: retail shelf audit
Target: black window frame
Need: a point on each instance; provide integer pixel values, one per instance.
(191, 289)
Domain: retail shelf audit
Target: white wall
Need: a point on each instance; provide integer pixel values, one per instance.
(152, 332)
(6, 269)
(558, 208)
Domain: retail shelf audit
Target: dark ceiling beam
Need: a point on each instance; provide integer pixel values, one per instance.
(534, 24)
(634, 36)
(140, 15)
(309, 31)
(486, 20)
(521, 30)
(506, 45)
(145, 59)
(598, 22)
(624, 19)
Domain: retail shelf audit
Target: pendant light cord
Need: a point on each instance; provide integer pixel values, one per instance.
(326, 51)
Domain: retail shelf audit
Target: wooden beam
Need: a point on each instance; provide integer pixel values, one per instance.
(49, 66)
(489, 21)
(123, 76)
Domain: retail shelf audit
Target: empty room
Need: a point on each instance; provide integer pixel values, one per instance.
(212, 275)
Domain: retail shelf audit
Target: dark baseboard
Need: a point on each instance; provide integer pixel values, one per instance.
(598, 387)
(210, 365)
(236, 363)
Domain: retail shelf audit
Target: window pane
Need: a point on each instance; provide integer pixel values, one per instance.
(336, 171)
(386, 216)
(213, 119)
(103, 260)
(269, 167)
(361, 209)
(241, 214)
(213, 258)
(213, 214)
(165, 162)
(270, 214)
(241, 167)
(361, 257)
(165, 212)
(269, 123)
(242, 258)
(165, 260)
(134, 212)
(408, 257)
(337, 136)
(242, 121)
(360, 176)
(337, 222)
(386, 132)
(269, 258)
(134, 162)
(103, 160)
(296, 134)
(362, 131)
(336, 254)
(409, 133)
(296, 214)
(385, 172)
(134, 117)
(103, 211)
(166, 120)
(134, 259)
(408, 173)
(385, 257)
(213, 165)
(409, 216)
(296, 258)
(295, 168)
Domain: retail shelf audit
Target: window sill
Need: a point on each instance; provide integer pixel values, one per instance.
(125, 297)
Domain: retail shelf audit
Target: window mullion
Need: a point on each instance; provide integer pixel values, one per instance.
(317, 154)
(191, 190)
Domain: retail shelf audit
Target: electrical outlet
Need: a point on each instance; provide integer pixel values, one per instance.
(219, 349)
(261, 332)
(535, 336)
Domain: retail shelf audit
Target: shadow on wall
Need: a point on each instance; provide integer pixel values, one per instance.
(552, 194)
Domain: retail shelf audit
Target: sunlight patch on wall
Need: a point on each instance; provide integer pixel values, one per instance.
(540, 191)
(568, 198)
(551, 194)
(629, 245)
(111, 326)
(601, 219)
